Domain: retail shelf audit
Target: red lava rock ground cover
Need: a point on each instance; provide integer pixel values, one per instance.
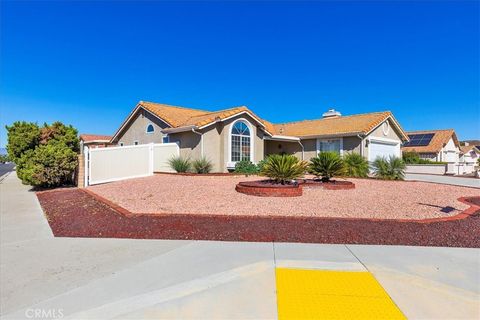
(216, 195)
(75, 213)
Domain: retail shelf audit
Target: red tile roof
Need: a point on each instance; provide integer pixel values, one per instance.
(94, 137)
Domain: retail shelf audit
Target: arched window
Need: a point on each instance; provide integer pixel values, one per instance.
(150, 128)
(240, 142)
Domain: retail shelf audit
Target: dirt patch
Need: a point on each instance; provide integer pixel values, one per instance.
(74, 213)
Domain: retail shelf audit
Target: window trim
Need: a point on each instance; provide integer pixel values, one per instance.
(327, 139)
(230, 163)
(146, 128)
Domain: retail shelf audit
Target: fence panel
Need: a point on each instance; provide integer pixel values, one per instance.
(161, 154)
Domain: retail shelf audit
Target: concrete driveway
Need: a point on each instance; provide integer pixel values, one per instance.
(164, 279)
(457, 181)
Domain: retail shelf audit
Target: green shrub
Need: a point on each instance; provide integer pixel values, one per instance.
(180, 164)
(283, 168)
(327, 165)
(202, 165)
(49, 165)
(355, 165)
(22, 136)
(411, 157)
(392, 168)
(246, 166)
(260, 165)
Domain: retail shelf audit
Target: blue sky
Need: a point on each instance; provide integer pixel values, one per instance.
(88, 63)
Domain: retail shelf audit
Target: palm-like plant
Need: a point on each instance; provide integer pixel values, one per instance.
(392, 168)
(180, 164)
(327, 165)
(202, 165)
(283, 168)
(355, 165)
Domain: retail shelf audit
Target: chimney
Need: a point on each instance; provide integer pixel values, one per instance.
(331, 113)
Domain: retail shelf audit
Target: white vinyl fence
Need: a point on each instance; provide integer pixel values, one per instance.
(119, 163)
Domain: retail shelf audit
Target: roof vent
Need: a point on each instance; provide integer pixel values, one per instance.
(331, 113)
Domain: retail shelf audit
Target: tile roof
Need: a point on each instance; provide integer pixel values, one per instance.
(94, 137)
(465, 149)
(344, 125)
(355, 124)
(438, 141)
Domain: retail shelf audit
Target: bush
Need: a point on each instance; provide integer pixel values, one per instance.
(260, 165)
(246, 166)
(411, 157)
(327, 165)
(202, 165)
(283, 168)
(180, 164)
(22, 136)
(392, 168)
(47, 166)
(355, 165)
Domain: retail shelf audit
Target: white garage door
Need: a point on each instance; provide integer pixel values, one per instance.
(383, 149)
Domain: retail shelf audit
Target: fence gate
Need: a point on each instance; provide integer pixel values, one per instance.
(119, 163)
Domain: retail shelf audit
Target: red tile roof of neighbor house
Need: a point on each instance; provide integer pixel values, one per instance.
(343, 125)
(94, 137)
(439, 140)
(465, 149)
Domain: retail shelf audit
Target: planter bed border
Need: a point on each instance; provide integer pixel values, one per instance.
(262, 189)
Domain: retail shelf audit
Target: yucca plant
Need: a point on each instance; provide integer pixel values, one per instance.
(327, 165)
(392, 168)
(355, 165)
(180, 164)
(283, 168)
(202, 165)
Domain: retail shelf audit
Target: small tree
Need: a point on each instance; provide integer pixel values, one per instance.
(283, 168)
(22, 136)
(327, 165)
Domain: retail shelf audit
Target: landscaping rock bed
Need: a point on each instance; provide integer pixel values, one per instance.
(266, 188)
(75, 213)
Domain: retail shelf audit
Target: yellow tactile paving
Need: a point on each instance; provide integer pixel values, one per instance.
(320, 294)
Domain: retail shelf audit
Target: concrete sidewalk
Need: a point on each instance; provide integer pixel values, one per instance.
(456, 181)
(132, 279)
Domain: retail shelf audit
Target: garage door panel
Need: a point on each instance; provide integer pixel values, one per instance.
(381, 149)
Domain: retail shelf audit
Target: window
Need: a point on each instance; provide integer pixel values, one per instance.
(166, 139)
(240, 142)
(329, 145)
(135, 142)
(150, 128)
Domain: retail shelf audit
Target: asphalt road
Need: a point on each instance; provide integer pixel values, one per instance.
(5, 168)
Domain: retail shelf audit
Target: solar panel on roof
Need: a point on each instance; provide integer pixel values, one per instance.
(419, 140)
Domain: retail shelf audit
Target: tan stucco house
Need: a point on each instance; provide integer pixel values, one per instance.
(228, 136)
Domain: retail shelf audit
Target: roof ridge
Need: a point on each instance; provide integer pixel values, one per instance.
(433, 130)
(172, 106)
(349, 116)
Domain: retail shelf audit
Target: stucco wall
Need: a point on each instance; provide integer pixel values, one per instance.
(392, 134)
(188, 142)
(137, 129)
(426, 168)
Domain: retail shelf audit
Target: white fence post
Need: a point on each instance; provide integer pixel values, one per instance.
(151, 159)
(86, 166)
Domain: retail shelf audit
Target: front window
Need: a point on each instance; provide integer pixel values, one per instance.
(150, 128)
(166, 139)
(329, 145)
(240, 142)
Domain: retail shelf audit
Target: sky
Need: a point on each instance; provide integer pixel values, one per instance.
(89, 63)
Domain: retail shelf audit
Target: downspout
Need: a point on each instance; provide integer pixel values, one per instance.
(303, 149)
(362, 146)
(201, 140)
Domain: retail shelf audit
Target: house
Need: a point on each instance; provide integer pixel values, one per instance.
(94, 141)
(230, 135)
(436, 145)
(468, 158)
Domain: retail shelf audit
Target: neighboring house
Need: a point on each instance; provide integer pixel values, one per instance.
(436, 145)
(94, 141)
(468, 158)
(231, 135)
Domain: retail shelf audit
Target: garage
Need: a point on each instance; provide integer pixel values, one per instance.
(382, 148)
